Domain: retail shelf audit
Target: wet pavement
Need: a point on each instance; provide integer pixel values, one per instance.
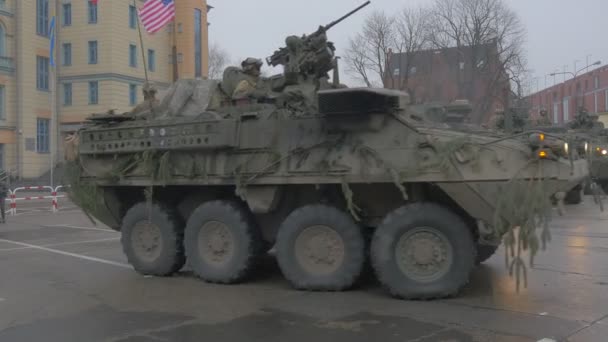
(64, 279)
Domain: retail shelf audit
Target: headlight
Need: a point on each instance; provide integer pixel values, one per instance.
(536, 139)
(604, 152)
(566, 148)
(586, 147)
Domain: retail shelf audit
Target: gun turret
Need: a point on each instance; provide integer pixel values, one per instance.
(310, 55)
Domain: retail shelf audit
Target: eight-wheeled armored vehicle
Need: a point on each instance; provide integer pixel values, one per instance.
(330, 176)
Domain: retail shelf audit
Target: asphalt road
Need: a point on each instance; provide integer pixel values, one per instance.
(63, 279)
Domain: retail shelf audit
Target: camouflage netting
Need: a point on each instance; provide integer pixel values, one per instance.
(80, 192)
(528, 205)
(185, 98)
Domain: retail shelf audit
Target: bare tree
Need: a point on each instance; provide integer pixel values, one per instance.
(218, 59)
(368, 52)
(411, 36)
(493, 35)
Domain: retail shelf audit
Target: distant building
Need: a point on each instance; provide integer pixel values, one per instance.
(99, 67)
(444, 75)
(561, 101)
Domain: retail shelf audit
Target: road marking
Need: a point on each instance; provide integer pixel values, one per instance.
(73, 255)
(77, 227)
(60, 244)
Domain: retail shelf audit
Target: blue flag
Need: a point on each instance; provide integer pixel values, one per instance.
(52, 39)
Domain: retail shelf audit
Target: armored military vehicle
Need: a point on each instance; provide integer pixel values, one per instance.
(589, 137)
(329, 176)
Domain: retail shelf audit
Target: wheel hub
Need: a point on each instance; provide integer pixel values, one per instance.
(423, 254)
(146, 239)
(319, 249)
(215, 242)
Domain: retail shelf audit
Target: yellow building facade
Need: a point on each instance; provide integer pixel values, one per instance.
(99, 66)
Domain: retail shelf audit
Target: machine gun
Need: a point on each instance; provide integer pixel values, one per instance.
(310, 55)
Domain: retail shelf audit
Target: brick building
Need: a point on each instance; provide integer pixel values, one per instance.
(561, 101)
(444, 75)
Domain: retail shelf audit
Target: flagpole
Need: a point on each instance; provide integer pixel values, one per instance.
(52, 121)
(141, 43)
(174, 48)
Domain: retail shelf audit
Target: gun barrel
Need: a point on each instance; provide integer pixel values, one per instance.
(336, 22)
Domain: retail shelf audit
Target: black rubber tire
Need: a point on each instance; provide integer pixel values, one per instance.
(574, 196)
(433, 216)
(247, 240)
(172, 257)
(347, 274)
(484, 252)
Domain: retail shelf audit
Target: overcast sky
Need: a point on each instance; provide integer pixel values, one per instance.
(558, 31)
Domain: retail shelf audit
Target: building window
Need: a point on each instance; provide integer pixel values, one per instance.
(133, 55)
(597, 82)
(92, 12)
(132, 94)
(606, 101)
(42, 17)
(596, 105)
(93, 92)
(151, 60)
(132, 16)
(2, 41)
(1, 156)
(413, 70)
(67, 94)
(198, 54)
(42, 73)
(67, 14)
(2, 103)
(67, 54)
(396, 72)
(42, 136)
(93, 52)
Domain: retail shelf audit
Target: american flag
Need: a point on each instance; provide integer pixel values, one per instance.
(156, 13)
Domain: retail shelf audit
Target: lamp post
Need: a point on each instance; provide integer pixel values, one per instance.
(574, 75)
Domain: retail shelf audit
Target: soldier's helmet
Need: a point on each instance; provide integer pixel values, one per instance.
(252, 65)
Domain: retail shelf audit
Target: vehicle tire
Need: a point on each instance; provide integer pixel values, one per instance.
(423, 251)
(320, 248)
(222, 242)
(484, 252)
(152, 239)
(574, 196)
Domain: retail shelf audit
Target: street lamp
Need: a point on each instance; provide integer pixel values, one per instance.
(574, 74)
(574, 78)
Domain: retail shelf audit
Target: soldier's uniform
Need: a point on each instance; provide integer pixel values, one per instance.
(246, 87)
(544, 119)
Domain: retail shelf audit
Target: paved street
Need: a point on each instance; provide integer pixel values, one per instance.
(64, 279)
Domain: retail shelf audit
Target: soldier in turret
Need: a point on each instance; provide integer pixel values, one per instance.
(247, 87)
(544, 118)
